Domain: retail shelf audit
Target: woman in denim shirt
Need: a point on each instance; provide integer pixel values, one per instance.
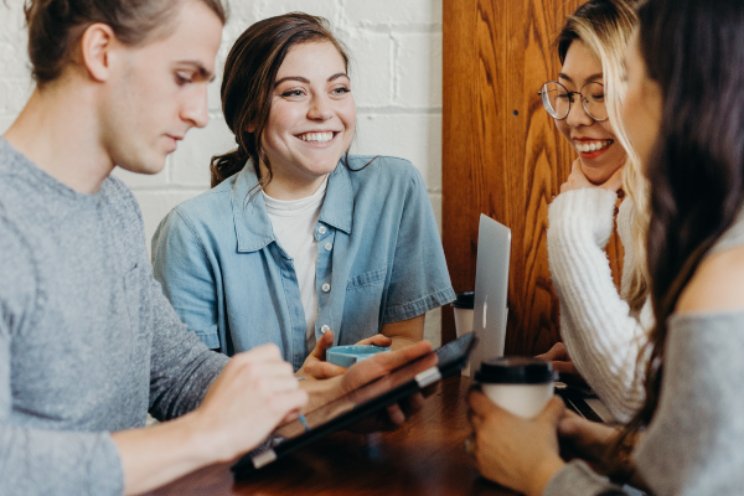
(299, 243)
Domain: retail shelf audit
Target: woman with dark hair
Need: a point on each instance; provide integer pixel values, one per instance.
(299, 243)
(683, 112)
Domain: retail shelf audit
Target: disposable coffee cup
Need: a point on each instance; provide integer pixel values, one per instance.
(520, 385)
(463, 309)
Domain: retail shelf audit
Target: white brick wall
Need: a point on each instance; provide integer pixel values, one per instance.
(396, 72)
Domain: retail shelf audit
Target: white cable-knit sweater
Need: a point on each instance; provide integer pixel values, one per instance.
(602, 335)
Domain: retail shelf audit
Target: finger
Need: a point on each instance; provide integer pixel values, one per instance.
(377, 340)
(563, 367)
(553, 411)
(325, 342)
(480, 404)
(395, 359)
(396, 415)
(323, 370)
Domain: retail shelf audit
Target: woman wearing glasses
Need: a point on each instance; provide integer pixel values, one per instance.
(601, 328)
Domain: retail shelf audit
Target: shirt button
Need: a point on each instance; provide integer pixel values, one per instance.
(325, 287)
(328, 246)
(325, 328)
(322, 230)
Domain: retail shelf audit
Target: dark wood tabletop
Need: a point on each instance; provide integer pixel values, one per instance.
(425, 456)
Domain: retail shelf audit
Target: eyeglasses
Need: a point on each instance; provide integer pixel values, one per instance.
(557, 100)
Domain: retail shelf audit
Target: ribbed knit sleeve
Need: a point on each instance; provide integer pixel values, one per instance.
(603, 338)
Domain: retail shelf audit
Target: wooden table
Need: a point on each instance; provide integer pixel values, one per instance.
(425, 456)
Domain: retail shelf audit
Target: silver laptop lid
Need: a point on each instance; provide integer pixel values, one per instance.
(491, 287)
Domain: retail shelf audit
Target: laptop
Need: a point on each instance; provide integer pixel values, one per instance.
(490, 310)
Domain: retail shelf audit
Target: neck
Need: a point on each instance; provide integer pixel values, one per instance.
(57, 130)
(285, 187)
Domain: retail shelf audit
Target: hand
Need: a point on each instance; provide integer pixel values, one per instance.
(315, 365)
(577, 179)
(518, 453)
(366, 371)
(557, 355)
(254, 393)
(589, 440)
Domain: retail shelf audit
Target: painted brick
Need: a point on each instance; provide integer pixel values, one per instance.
(416, 137)
(324, 8)
(393, 12)
(418, 69)
(191, 160)
(371, 68)
(156, 204)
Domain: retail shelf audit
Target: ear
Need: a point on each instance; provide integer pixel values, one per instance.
(96, 46)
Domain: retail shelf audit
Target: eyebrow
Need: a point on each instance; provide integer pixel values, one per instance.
(593, 77)
(204, 73)
(307, 81)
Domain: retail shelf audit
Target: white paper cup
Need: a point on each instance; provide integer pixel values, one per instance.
(520, 385)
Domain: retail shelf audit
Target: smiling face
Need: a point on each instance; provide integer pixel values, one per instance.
(158, 90)
(599, 152)
(311, 122)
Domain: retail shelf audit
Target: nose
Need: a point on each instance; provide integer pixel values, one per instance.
(195, 109)
(577, 116)
(320, 108)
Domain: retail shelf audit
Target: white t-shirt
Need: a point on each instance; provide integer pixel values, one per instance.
(294, 225)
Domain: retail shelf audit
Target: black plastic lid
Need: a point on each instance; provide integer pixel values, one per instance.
(465, 299)
(515, 370)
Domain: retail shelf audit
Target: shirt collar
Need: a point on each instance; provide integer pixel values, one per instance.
(253, 227)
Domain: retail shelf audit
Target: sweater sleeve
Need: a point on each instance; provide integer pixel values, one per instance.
(32, 460)
(602, 337)
(694, 443)
(183, 367)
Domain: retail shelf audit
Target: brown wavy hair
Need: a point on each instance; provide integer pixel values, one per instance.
(55, 26)
(694, 51)
(248, 84)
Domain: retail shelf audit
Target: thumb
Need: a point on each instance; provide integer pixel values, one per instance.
(615, 182)
(325, 342)
(553, 411)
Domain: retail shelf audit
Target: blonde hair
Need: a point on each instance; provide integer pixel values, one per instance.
(605, 27)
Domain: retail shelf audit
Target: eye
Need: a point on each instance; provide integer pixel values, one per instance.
(293, 93)
(341, 90)
(183, 78)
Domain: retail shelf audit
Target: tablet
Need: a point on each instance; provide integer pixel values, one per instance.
(362, 402)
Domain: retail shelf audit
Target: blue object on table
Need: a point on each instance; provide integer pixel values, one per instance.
(346, 356)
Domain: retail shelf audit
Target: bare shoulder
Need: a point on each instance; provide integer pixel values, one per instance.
(718, 284)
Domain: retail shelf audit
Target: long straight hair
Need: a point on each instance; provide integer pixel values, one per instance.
(694, 51)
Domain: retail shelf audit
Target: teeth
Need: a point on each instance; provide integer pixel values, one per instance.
(317, 137)
(592, 146)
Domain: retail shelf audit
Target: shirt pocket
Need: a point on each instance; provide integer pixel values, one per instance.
(362, 306)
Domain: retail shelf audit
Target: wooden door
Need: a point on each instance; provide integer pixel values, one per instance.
(501, 153)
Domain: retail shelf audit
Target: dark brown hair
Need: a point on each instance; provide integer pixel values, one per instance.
(54, 26)
(694, 51)
(248, 82)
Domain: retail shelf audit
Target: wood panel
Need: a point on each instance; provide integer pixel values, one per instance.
(501, 152)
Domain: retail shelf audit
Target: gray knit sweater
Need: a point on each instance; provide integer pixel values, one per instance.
(88, 342)
(695, 444)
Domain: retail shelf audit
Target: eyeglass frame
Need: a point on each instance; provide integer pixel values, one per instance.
(584, 100)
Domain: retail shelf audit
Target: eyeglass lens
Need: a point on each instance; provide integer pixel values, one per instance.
(557, 100)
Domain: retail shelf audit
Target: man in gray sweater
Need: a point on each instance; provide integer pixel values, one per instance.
(88, 342)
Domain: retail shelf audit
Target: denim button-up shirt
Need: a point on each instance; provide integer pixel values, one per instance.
(380, 260)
